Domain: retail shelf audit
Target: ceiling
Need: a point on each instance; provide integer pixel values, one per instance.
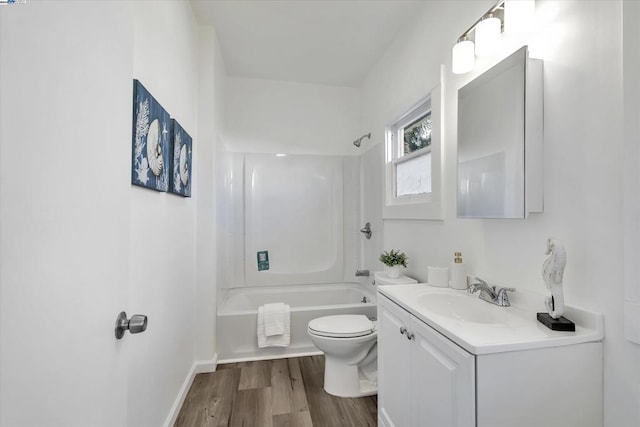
(329, 42)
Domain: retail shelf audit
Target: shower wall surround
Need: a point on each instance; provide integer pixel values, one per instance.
(293, 209)
(302, 209)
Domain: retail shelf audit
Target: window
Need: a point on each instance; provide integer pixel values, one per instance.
(412, 162)
(413, 175)
(417, 135)
(411, 145)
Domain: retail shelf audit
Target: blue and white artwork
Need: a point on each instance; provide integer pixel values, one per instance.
(181, 175)
(150, 164)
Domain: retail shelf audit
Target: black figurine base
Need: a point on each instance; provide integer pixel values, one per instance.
(561, 324)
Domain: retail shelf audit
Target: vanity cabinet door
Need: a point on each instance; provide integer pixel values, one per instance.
(393, 365)
(424, 379)
(442, 380)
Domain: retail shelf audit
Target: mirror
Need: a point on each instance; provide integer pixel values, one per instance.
(500, 140)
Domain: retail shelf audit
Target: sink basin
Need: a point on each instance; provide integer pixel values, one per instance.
(480, 327)
(464, 308)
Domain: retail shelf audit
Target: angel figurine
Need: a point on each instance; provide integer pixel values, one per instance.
(552, 271)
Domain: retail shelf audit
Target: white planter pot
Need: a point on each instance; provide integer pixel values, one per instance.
(393, 272)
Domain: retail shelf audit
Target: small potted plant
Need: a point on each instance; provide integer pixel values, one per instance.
(393, 260)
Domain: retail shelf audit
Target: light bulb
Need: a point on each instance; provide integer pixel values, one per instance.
(462, 56)
(488, 36)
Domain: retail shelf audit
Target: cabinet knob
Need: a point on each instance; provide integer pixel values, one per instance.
(402, 330)
(410, 336)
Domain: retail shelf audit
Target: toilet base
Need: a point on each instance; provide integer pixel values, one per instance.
(346, 380)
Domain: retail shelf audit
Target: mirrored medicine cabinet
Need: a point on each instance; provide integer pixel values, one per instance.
(500, 134)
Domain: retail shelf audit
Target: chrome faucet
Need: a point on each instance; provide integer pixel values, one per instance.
(497, 296)
(360, 273)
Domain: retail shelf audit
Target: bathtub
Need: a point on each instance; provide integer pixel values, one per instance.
(238, 309)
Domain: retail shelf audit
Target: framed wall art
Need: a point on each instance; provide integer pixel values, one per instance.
(150, 163)
(181, 167)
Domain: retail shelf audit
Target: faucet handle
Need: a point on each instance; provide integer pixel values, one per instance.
(502, 298)
(478, 285)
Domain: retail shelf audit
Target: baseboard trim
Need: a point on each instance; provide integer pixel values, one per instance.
(269, 357)
(198, 367)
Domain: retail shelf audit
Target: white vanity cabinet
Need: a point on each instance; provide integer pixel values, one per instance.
(552, 387)
(434, 372)
(424, 379)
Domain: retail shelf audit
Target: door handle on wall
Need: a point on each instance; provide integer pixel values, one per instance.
(135, 325)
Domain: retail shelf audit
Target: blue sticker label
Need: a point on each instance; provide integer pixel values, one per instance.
(263, 260)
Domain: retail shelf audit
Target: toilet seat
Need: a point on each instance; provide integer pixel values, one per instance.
(342, 326)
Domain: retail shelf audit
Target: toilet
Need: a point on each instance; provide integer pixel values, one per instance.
(349, 343)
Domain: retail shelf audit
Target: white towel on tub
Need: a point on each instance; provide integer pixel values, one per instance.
(274, 318)
(279, 340)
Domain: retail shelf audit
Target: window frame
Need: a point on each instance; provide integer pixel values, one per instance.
(396, 146)
(417, 113)
(415, 206)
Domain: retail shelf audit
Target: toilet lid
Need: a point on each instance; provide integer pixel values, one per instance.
(342, 326)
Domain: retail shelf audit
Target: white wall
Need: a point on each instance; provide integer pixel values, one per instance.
(268, 116)
(581, 44)
(163, 225)
(399, 80)
(630, 153)
(210, 103)
(372, 184)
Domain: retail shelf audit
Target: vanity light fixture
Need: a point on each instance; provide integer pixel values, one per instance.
(463, 57)
(488, 33)
(483, 38)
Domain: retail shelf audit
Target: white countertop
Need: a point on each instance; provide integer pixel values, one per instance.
(519, 330)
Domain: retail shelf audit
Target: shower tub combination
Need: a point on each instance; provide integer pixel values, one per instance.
(238, 311)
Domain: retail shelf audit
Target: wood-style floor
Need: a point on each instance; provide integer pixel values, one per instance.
(272, 393)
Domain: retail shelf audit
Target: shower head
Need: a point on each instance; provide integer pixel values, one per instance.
(358, 141)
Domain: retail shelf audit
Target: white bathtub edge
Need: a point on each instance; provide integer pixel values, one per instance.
(198, 367)
(270, 357)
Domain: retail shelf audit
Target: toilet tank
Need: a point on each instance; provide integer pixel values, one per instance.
(381, 278)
